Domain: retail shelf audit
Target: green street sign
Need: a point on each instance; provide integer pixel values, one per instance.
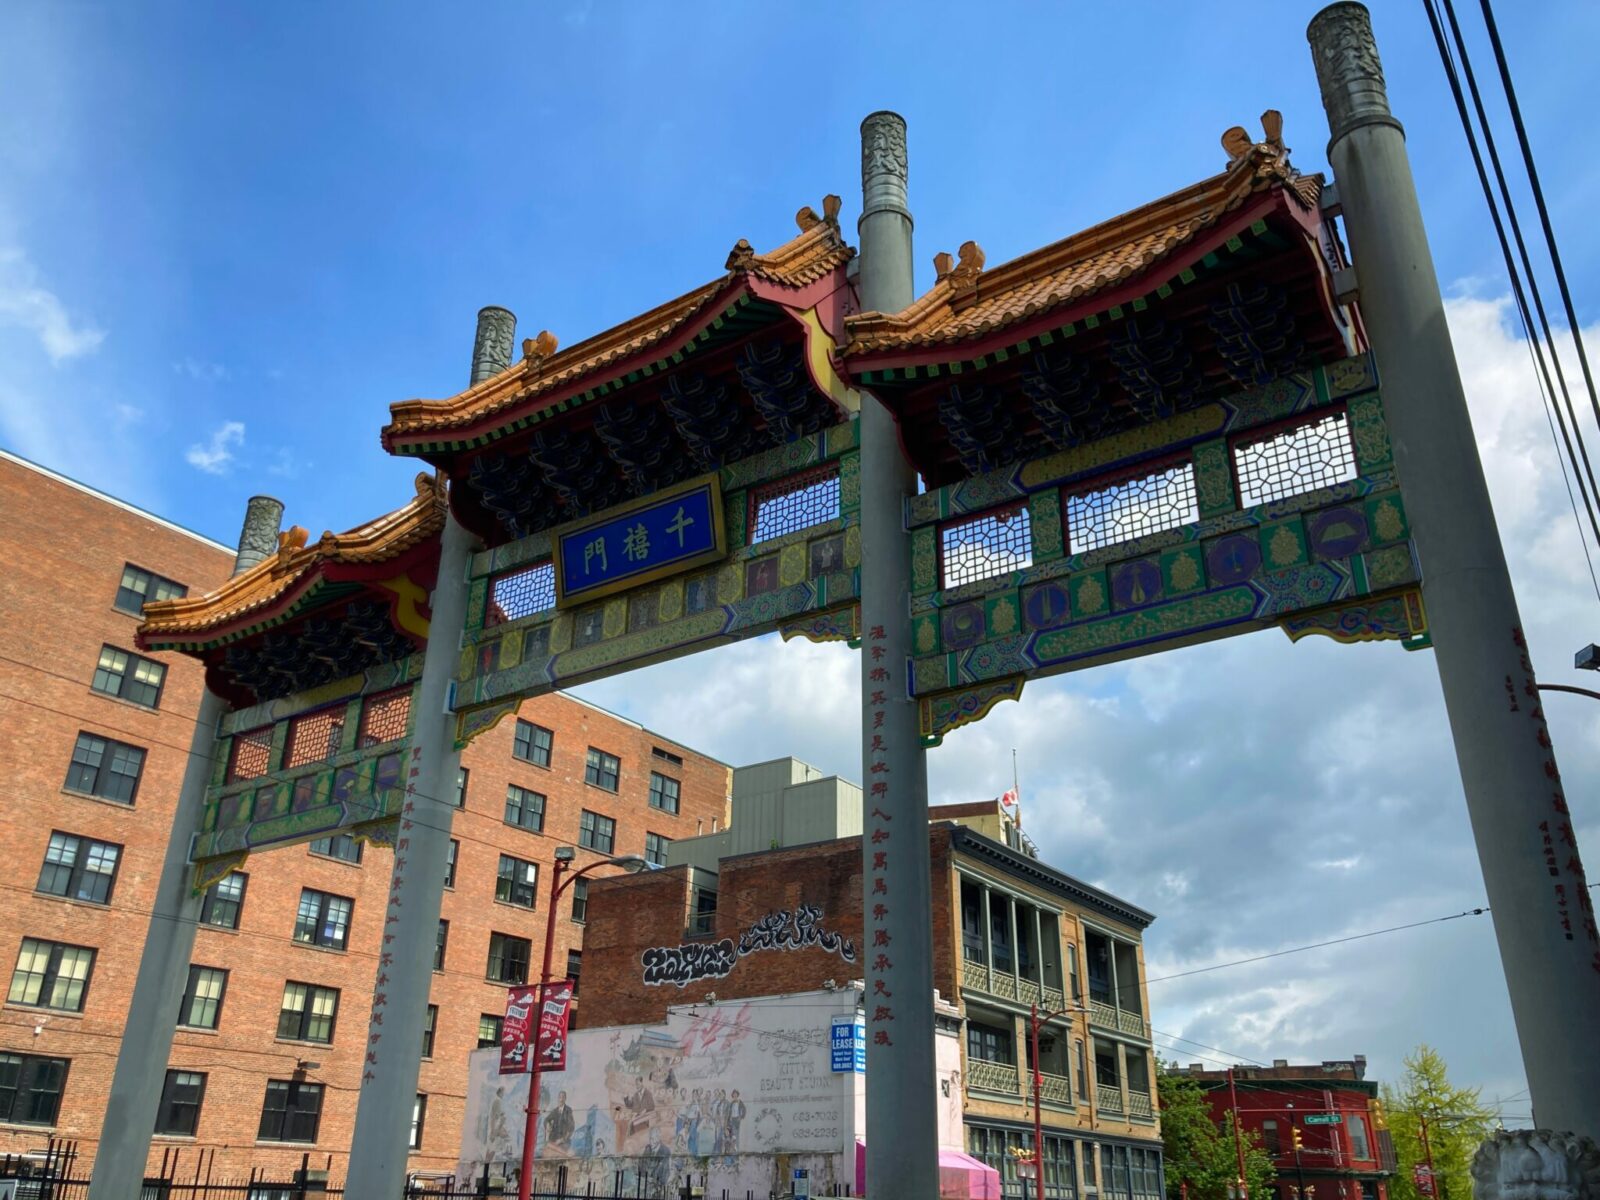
(1324, 1119)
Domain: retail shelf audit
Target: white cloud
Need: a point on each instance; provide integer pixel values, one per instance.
(197, 369)
(27, 305)
(127, 416)
(215, 456)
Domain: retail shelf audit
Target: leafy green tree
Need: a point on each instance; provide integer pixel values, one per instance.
(1457, 1120)
(1200, 1152)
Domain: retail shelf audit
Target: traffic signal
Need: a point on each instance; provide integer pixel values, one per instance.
(1294, 1138)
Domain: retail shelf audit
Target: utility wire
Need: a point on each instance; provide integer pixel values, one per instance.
(1538, 199)
(1548, 391)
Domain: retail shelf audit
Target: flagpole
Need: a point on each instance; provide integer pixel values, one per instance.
(1016, 788)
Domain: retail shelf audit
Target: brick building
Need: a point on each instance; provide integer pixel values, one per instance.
(1328, 1109)
(773, 905)
(265, 1064)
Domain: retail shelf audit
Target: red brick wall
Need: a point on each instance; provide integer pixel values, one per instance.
(628, 916)
(64, 551)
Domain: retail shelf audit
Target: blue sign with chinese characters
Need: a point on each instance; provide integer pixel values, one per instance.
(849, 1044)
(660, 535)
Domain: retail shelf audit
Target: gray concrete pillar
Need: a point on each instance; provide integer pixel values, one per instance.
(491, 349)
(404, 976)
(152, 1019)
(1535, 882)
(902, 1126)
(258, 540)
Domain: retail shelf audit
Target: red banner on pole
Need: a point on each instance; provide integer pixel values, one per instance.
(553, 1014)
(1422, 1176)
(516, 1032)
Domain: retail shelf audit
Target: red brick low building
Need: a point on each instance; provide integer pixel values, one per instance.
(97, 737)
(1329, 1110)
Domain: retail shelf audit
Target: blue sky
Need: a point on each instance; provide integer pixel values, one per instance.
(230, 236)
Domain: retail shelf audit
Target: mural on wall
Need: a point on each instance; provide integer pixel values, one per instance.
(719, 1090)
(780, 930)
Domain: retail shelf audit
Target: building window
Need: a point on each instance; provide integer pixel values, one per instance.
(450, 866)
(524, 809)
(601, 769)
(419, 1114)
(516, 882)
(489, 1029)
(1357, 1125)
(385, 717)
(705, 911)
(521, 593)
(341, 846)
(428, 1023)
(129, 677)
(596, 832)
(655, 849)
(1091, 1159)
(532, 743)
(440, 941)
(139, 587)
(663, 792)
(1270, 1141)
(79, 868)
(224, 901)
(993, 543)
(308, 1012)
(1313, 454)
(291, 1111)
(1146, 1174)
(991, 1043)
(201, 1007)
(580, 900)
(1072, 968)
(250, 756)
(314, 736)
(30, 1088)
(1105, 1066)
(574, 968)
(1083, 1072)
(1132, 508)
(462, 775)
(101, 767)
(51, 975)
(181, 1096)
(508, 958)
(666, 756)
(323, 919)
(796, 503)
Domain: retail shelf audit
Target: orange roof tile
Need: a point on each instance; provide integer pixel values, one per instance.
(968, 302)
(818, 250)
(273, 579)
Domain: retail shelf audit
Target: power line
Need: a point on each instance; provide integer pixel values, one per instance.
(1548, 391)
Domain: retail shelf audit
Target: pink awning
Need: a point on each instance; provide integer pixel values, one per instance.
(961, 1177)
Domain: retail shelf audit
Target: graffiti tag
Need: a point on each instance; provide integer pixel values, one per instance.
(781, 930)
(682, 965)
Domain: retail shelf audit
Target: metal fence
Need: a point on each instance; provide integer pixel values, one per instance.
(55, 1173)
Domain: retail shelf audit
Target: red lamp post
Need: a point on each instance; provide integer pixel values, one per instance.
(1034, 1022)
(564, 855)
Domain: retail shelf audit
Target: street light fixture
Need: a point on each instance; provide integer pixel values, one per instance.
(632, 864)
(1034, 1022)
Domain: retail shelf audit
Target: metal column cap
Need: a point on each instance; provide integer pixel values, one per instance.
(1348, 69)
(883, 165)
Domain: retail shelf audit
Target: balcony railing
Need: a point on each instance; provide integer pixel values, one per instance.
(993, 1077)
(1139, 1105)
(1111, 1017)
(977, 977)
(1108, 1098)
(1055, 1089)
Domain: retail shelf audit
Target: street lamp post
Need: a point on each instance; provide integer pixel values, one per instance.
(632, 864)
(1034, 1022)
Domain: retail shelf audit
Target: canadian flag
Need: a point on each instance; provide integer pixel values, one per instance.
(1008, 801)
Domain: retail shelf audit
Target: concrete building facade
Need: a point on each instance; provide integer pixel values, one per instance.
(774, 905)
(266, 1061)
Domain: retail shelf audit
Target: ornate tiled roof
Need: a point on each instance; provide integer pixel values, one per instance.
(967, 302)
(545, 372)
(278, 577)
